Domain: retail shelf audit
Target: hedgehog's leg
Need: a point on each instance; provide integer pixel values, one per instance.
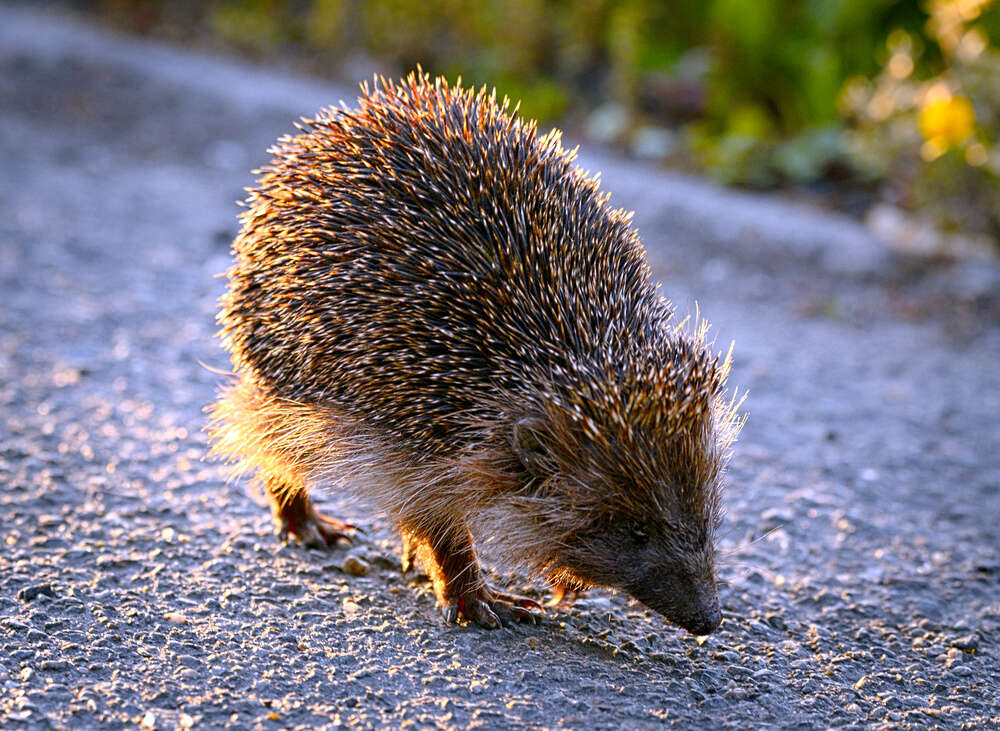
(450, 561)
(297, 517)
(255, 431)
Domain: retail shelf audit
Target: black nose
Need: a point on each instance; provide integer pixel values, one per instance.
(706, 623)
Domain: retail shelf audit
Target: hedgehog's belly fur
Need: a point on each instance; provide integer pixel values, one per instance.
(289, 443)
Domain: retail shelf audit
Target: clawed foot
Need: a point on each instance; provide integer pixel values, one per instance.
(451, 565)
(491, 608)
(299, 520)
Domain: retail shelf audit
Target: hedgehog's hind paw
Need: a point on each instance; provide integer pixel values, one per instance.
(298, 519)
(332, 529)
(408, 556)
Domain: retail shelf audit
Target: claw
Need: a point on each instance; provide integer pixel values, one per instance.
(450, 613)
(515, 599)
(479, 612)
(489, 620)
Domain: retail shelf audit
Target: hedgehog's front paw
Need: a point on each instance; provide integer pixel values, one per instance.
(563, 595)
(450, 562)
(491, 608)
(299, 520)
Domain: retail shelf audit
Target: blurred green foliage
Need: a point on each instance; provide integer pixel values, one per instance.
(933, 137)
(754, 90)
(782, 60)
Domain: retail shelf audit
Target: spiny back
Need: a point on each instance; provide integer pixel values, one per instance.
(428, 256)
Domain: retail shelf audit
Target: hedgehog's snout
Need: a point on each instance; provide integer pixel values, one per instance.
(699, 616)
(685, 601)
(706, 620)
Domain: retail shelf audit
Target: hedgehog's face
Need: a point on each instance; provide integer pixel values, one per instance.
(666, 564)
(671, 570)
(635, 532)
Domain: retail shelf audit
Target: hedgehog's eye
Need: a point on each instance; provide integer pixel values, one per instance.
(638, 535)
(528, 445)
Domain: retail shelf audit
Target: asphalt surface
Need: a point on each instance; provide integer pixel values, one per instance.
(862, 543)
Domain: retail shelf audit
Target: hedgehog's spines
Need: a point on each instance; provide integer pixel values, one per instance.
(428, 263)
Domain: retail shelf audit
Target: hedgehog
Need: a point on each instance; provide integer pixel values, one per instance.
(434, 308)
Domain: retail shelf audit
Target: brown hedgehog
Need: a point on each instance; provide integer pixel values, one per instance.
(433, 307)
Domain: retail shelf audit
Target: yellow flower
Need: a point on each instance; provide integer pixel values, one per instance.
(947, 122)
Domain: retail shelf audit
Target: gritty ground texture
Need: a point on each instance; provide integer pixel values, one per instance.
(137, 588)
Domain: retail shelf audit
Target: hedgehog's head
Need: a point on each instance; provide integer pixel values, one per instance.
(625, 483)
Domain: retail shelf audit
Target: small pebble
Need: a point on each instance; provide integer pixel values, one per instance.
(355, 565)
(53, 666)
(287, 588)
(30, 593)
(967, 643)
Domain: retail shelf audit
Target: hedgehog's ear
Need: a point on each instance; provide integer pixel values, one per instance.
(528, 445)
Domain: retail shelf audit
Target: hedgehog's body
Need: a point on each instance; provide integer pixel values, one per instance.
(435, 308)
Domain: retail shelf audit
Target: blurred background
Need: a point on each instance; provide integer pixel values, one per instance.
(886, 109)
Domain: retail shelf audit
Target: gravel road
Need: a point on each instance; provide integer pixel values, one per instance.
(862, 540)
